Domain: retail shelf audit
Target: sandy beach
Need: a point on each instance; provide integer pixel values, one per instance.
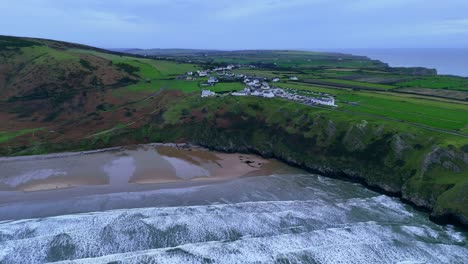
(118, 168)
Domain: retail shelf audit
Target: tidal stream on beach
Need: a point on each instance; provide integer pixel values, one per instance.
(185, 204)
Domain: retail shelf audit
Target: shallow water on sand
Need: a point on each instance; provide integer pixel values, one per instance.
(288, 216)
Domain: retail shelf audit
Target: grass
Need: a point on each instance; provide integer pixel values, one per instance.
(152, 69)
(184, 86)
(438, 82)
(362, 84)
(7, 136)
(156, 85)
(437, 114)
(288, 59)
(159, 74)
(227, 87)
(146, 71)
(44, 54)
(169, 68)
(155, 74)
(408, 110)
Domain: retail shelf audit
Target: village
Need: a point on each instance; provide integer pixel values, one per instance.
(257, 86)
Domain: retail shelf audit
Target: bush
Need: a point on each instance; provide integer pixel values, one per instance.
(87, 65)
(465, 148)
(14, 43)
(185, 112)
(132, 70)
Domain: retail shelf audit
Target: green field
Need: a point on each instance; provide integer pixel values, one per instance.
(436, 114)
(157, 74)
(360, 84)
(154, 74)
(151, 69)
(227, 87)
(438, 82)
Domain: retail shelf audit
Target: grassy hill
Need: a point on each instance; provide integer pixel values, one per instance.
(390, 131)
(51, 90)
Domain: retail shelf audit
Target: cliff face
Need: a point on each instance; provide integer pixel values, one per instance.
(403, 161)
(376, 164)
(428, 169)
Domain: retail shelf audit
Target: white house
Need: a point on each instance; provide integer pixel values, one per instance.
(329, 101)
(265, 85)
(256, 93)
(268, 94)
(276, 79)
(207, 93)
(293, 78)
(212, 80)
(240, 93)
(202, 73)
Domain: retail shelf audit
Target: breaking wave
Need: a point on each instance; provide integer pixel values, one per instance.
(308, 231)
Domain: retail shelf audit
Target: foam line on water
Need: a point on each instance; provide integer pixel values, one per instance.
(256, 230)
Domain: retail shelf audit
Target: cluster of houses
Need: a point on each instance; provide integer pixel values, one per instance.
(310, 99)
(260, 87)
(218, 71)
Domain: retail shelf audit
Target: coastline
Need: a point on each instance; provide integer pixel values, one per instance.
(436, 58)
(200, 181)
(446, 219)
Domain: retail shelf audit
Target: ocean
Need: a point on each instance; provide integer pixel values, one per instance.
(446, 61)
(284, 216)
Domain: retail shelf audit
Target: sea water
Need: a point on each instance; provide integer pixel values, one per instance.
(284, 217)
(445, 60)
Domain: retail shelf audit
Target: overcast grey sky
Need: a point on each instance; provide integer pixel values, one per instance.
(241, 24)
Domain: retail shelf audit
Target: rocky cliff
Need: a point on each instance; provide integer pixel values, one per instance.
(425, 168)
(418, 166)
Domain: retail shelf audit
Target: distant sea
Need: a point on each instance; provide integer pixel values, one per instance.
(446, 61)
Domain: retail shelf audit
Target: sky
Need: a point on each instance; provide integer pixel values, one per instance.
(241, 24)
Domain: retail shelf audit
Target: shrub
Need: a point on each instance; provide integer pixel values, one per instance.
(132, 70)
(87, 65)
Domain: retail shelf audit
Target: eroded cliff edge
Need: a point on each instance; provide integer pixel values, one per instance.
(425, 168)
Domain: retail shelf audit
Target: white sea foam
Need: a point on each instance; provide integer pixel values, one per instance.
(250, 220)
(455, 235)
(225, 233)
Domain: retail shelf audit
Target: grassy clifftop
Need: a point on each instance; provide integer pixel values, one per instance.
(427, 168)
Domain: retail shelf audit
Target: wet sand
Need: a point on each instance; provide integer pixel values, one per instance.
(127, 169)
